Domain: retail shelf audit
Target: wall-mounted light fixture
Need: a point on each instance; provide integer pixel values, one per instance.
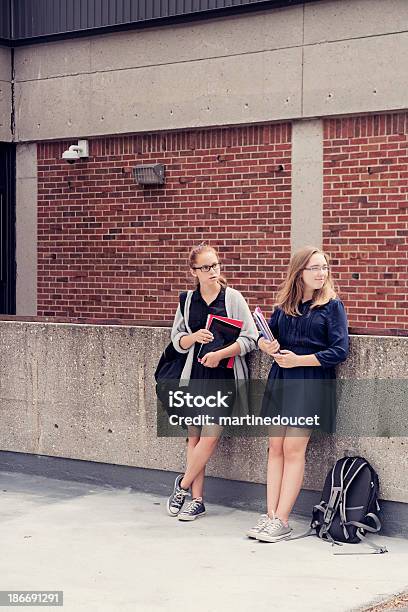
(75, 152)
(149, 174)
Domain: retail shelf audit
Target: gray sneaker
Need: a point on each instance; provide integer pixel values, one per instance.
(274, 531)
(193, 510)
(256, 529)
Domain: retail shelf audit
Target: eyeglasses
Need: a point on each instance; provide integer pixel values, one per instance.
(317, 268)
(214, 267)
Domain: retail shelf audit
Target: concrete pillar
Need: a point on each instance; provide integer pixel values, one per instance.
(5, 95)
(307, 184)
(26, 229)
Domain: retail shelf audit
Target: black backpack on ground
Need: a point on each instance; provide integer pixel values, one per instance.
(349, 505)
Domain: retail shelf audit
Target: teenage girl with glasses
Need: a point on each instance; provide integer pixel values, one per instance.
(309, 325)
(211, 296)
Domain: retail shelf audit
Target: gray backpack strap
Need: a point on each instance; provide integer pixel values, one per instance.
(343, 503)
(360, 534)
(376, 550)
(336, 495)
(306, 534)
(312, 528)
(361, 526)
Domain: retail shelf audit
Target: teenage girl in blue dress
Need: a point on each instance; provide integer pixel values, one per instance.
(309, 325)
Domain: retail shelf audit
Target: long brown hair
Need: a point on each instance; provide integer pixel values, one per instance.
(291, 291)
(201, 248)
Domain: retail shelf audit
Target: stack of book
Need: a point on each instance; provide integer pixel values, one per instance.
(225, 332)
(262, 324)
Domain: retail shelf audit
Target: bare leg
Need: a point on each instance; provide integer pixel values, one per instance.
(197, 486)
(294, 450)
(200, 454)
(274, 470)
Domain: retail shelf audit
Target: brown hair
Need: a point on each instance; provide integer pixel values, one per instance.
(291, 290)
(201, 248)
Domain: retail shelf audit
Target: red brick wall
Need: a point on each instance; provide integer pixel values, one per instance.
(109, 248)
(365, 216)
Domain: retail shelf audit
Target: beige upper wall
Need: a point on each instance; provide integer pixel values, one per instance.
(5, 64)
(361, 75)
(5, 94)
(241, 69)
(202, 40)
(345, 19)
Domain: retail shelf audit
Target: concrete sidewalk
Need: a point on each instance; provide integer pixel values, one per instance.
(115, 550)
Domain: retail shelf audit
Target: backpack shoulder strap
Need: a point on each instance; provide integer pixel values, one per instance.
(337, 487)
(182, 300)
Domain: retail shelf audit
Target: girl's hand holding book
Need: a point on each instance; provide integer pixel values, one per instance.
(211, 360)
(203, 336)
(269, 347)
(287, 359)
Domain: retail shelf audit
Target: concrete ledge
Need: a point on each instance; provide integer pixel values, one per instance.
(87, 392)
(231, 493)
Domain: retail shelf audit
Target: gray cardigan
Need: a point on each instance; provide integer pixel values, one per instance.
(236, 308)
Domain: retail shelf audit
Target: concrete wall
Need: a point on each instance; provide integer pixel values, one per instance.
(323, 58)
(86, 392)
(5, 94)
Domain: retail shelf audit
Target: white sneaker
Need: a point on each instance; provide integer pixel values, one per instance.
(256, 529)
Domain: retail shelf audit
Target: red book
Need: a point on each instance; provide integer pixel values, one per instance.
(225, 332)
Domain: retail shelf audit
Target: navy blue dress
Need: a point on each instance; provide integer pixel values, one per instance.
(308, 391)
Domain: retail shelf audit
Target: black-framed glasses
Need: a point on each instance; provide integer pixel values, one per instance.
(214, 267)
(317, 268)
